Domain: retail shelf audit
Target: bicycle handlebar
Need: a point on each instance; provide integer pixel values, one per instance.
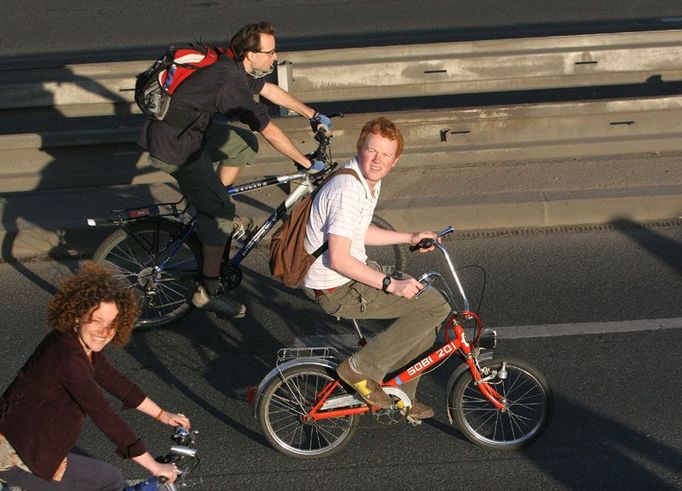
(184, 452)
(425, 279)
(428, 243)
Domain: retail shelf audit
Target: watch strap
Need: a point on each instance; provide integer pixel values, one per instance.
(386, 282)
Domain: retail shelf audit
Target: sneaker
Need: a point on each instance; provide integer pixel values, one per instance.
(367, 388)
(419, 410)
(222, 304)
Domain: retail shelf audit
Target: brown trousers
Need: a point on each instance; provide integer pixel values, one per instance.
(413, 332)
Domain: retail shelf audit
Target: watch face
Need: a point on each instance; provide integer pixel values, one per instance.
(386, 282)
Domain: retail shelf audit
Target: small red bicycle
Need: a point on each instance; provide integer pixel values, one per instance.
(305, 411)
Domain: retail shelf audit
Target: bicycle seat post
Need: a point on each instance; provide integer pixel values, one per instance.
(362, 340)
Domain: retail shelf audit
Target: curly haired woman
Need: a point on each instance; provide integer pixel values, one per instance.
(43, 411)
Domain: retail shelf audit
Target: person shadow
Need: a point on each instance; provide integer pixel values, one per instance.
(76, 182)
(666, 250)
(231, 356)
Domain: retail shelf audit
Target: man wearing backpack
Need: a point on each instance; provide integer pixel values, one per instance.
(345, 284)
(189, 140)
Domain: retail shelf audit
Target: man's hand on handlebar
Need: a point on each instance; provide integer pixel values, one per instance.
(316, 166)
(423, 241)
(321, 122)
(407, 287)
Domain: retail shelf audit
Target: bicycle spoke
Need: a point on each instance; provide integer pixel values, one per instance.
(520, 421)
(160, 269)
(288, 403)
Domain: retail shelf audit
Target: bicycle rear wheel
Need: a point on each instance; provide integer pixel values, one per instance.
(529, 406)
(393, 255)
(143, 256)
(285, 402)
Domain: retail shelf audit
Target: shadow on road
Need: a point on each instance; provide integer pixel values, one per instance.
(667, 250)
(231, 356)
(68, 169)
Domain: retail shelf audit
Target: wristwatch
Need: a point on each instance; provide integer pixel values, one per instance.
(387, 281)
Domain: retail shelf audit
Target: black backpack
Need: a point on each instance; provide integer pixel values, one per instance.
(155, 86)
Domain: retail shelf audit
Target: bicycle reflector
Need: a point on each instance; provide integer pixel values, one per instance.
(488, 339)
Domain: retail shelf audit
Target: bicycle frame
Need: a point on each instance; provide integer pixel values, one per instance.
(458, 344)
(304, 188)
(133, 215)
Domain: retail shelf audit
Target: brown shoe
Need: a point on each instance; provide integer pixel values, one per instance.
(419, 410)
(367, 388)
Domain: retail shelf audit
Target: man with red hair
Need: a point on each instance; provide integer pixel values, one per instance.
(345, 284)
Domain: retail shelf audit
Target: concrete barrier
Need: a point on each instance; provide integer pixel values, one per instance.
(387, 72)
(482, 66)
(455, 138)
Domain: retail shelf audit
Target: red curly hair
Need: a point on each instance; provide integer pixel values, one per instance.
(81, 293)
(382, 126)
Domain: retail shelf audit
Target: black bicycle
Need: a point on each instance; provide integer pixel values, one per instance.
(156, 251)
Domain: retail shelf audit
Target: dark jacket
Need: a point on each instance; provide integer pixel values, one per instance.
(43, 411)
(222, 88)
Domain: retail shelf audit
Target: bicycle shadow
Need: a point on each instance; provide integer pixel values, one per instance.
(41, 219)
(232, 356)
(591, 451)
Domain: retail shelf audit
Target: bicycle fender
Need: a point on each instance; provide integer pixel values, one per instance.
(306, 360)
(459, 371)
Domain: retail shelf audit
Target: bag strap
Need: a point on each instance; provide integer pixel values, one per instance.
(322, 249)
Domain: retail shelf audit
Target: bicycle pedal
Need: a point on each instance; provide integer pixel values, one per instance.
(242, 233)
(413, 421)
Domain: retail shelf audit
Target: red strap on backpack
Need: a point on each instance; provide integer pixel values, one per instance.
(185, 62)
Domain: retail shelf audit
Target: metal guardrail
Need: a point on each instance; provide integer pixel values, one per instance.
(387, 72)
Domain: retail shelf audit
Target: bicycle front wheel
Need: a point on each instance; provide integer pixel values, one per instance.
(393, 255)
(527, 413)
(285, 403)
(161, 268)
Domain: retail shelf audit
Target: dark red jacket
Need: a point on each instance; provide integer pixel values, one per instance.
(43, 411)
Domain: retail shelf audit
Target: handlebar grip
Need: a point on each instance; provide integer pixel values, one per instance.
(422, 244)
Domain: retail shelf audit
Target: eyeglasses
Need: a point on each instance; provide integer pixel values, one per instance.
(269, 53)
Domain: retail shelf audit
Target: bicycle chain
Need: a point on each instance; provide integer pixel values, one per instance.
(403, 419)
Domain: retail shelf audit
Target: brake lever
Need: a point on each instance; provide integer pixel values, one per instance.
(426, 281)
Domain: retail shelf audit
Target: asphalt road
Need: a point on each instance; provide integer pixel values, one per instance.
(75, 31)
(614, 425)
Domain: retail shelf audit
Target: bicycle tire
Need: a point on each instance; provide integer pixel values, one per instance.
(132, 254)
(529, 406)
(394, 255)
(279, 413)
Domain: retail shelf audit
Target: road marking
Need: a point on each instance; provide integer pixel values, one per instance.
(345, 342)
(542, 331)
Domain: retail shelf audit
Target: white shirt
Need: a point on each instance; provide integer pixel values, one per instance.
(344, 206)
